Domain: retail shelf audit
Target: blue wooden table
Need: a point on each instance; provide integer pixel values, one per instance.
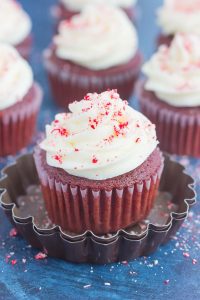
(172, 272)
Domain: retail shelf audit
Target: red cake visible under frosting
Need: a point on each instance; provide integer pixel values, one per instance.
(70, 81)
(150, 167)
(18, 122)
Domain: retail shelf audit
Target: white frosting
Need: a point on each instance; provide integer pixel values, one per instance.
(16, 77)
(99, 38)
(174, 72)
(15, 24)
(101, 138)
(180, 16)
(78, 5)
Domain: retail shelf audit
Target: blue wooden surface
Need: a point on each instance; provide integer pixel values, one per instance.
(172, 272)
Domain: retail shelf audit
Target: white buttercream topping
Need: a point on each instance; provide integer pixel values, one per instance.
(98, 38)
(173, 73)
(177, 16)
(16, 77)
(78, 5)
(15, 24)
(101, 138)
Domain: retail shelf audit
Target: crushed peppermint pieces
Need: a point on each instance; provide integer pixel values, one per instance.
(58, 158)
(13, 232)
(60, 130)
(107, 283)
(194, 261)
(87, 286)
(94, 160)
(185, 254)
(40, 256)
(13, 262)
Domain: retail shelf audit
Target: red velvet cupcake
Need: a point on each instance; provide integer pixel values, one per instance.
(178, 16)
(88, 55)
(20, 100)
(15, 27)
(66, 9)
(170, 96)
(99, 165)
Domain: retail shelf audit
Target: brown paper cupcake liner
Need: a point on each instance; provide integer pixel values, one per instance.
(79, 209)
(24, 48)
(73, 82)
(178, 129)
(18, 123)
(21, 200)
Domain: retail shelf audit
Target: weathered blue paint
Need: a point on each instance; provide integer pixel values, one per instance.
(144, 278)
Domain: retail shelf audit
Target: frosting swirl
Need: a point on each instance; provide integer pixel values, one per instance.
(78, 5)
(15, 23)
(101, 138)
(180, 16)
(91, 39)
(16, 77)
(174, 72)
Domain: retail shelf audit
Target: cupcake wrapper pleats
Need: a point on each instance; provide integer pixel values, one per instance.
(77, 210)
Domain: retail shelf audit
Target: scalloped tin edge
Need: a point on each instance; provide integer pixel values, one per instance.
(155, 235)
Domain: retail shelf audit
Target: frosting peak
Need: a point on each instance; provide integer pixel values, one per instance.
(101, 138)
(173, 73)
(172, 16)
(15, 23)
(16, 77)
(91, 39)
(78, 5)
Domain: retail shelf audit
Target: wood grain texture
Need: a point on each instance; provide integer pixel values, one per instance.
(144, 278)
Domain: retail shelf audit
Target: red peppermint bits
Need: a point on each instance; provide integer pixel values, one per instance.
(62, 131)
(123, 125)
(93, 123)
(58, 158)
(13, 262)
(94, 160)
(13, 232)
(87, 97)
(76, 149)
(40, 256)
(116, 131)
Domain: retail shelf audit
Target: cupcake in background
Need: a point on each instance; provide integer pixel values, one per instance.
(15, 27)
(170, 97)
(178, 16)
(93, 51)
(65, 9)
(99, 165)
(20, 99)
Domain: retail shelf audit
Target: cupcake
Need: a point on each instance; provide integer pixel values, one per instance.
(89, 54)
(68, 8)
(15, 27)
(20, 100)
(170, 96)
(178, 16)
(99, 165)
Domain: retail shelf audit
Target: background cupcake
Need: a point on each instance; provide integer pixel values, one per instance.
(20, 99)
(67, 8)
(178, 16)
(170, 96)
(89, 54)
(15, 27)
(99, 165)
